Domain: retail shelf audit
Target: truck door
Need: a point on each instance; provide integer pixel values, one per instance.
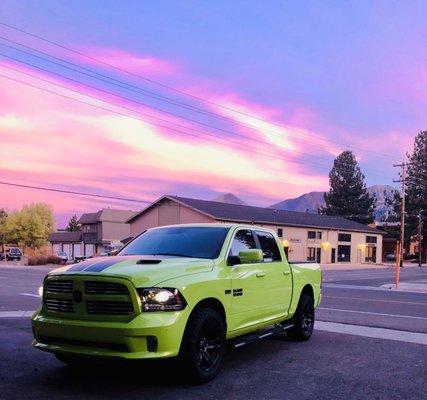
(277, 282)
(249, 300)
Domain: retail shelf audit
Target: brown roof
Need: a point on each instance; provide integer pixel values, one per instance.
(260, 215)
(65, 237)
(106, 215)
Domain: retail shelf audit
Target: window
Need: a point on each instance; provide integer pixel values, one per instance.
(344, 237)
(269, 247)
(243, 240)
(181, 241)
(344, 253)
(280, 232)
(314, 235)
(311, 254)
(371, 239)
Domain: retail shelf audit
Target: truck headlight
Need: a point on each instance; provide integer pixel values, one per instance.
(161, 299)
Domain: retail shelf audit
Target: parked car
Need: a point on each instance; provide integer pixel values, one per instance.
(178, 291)
(63, 256)
(12, 254)
(390, 257)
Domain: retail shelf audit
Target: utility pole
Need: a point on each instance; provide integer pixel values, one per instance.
(403, 165)
(420, 240)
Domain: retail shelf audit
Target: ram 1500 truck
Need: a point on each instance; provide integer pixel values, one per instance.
(179, 290)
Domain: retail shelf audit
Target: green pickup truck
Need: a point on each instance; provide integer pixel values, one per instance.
(178, 291)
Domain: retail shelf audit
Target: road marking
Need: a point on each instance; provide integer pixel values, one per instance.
(338, 286)
(370, 313)
(378, 300)
(29, 294)
(16, 314)
(368, 331)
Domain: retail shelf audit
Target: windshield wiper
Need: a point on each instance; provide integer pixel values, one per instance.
(173, 254)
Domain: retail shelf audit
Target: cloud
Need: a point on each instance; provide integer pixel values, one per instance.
(150, 65)
(57, 142)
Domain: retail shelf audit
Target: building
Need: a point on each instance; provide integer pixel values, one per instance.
(70, 242)
(100, 233)
(304, 236)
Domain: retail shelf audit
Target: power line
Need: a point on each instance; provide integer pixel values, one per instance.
(134, 101)
(225, 141)
(100, 196)
(132, 88)
(170, 88)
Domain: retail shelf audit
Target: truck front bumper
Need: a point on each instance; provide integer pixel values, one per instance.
(148, 335)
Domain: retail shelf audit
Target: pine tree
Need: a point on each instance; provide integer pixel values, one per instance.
(348, 195)
(416, 187)
(73, 224)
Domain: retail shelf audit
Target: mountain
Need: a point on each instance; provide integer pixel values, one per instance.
(313, 200)
(308, 201)
(229, 198)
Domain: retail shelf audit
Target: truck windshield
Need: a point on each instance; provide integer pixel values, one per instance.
(185, 241)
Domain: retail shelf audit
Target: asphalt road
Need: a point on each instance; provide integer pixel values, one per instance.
(329, 366)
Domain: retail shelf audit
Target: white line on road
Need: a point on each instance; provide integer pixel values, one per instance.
(367, 331)
(374, 300)
(29, 294)
(371, 313)
(16, 314)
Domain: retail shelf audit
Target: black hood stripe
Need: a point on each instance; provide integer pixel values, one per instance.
(100, 266)
(97, 265)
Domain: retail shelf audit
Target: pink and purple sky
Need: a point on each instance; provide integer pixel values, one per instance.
(286, 87)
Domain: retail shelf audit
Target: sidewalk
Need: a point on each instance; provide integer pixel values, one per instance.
(355, 267)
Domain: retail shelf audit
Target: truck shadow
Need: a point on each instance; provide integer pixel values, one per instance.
(115, 379)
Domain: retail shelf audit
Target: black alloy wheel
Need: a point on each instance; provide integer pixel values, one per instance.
(203, 345)
(303, 320)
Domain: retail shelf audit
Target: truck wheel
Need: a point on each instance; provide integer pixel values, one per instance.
(203, 345)
(303, 319)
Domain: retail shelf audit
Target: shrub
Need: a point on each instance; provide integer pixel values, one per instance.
(53, 260)
(41, 260)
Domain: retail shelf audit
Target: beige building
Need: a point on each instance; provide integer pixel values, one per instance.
(304, 236)
(101, 232)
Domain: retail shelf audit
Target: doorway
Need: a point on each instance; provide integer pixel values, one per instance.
(371, 254)
(333, 255)
(318, 254)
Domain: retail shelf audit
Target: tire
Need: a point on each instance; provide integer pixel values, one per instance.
(69, 359)
(203, 345)
(303, 320)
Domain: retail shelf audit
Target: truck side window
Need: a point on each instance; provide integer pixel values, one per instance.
(243, 240)
(268, 246)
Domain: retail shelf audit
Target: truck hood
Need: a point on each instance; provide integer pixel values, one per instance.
(142, 271)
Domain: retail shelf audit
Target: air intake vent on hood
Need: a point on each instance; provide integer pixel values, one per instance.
(149, 261)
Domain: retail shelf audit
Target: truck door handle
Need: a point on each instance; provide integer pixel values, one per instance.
(260, 274)
(286, 272)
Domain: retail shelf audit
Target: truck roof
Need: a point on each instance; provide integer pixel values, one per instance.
(217, 225)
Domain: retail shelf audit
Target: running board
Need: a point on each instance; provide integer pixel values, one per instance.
(254, 337)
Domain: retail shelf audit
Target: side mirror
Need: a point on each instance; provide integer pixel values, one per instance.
(233, 260)
(251, 256)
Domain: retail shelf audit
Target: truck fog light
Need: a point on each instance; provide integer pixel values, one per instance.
(151, 343)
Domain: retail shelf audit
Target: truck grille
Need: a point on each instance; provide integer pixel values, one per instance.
(99, 287)
(59, 305)
(109, 307)
(85, 299)
(58, 286)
